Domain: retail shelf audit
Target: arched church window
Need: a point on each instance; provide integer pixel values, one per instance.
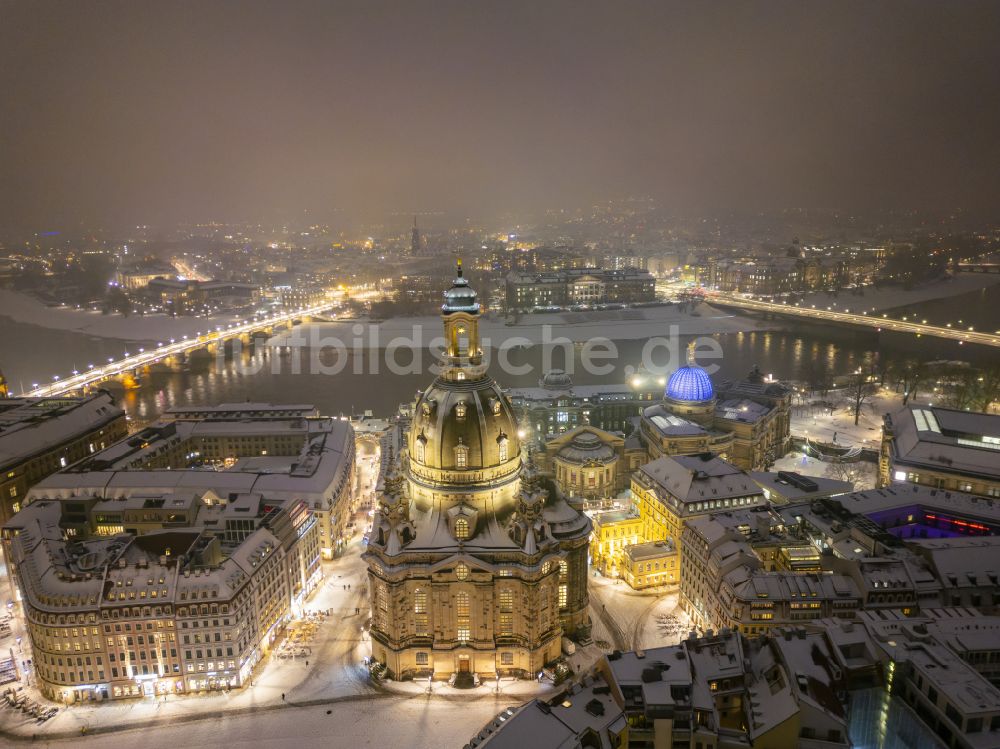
(461, 456)
(461, 528)
(462, 610)
(462, 340)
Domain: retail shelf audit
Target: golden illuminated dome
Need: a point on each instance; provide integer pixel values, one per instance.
(464, 427)
(463, 430)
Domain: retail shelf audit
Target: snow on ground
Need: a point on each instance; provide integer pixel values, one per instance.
(892, 297)
(419, 722)
(862, 474)
(577, 326)
(146, 328)
(628, 619)
(530, 329)
(819, 424)
(330, 676)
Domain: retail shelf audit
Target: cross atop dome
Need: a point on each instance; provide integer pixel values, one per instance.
(460, 297)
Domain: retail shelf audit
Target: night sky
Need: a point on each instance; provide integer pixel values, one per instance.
(142, 112)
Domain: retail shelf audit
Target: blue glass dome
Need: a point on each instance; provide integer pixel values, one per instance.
(690, 383)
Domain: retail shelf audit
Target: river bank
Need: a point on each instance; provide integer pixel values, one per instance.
(534, 329)
(890, 298)
(579, 326)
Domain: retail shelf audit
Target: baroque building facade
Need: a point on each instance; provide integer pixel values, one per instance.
(747, 422)
(474, 567)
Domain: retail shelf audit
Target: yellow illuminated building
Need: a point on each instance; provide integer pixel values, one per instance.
(613, 532)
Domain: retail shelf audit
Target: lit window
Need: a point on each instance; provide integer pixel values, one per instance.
(462, 614)
(461, 456)
(420, 601)
(503, 449)
(420, 624)
(461, 571)
(506, 600)
(460, 409)
(563, 596)
(461, 528)
(506, 623)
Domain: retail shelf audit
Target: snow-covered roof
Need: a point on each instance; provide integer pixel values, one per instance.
(692, 478)
(946, 440)
(785, 484)
(896, 496)
(31, 426)
(741, 409)
(73, 573)
(671, 425)
(314, 473)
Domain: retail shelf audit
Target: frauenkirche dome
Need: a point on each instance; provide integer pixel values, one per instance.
(474, 566)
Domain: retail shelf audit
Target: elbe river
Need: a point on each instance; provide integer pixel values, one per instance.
(32, 354)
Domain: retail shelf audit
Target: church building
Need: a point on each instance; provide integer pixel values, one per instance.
(474, 567)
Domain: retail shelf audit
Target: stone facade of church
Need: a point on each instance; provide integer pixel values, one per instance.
(474, 567)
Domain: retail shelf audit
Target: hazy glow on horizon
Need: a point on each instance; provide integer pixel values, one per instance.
(128, 112)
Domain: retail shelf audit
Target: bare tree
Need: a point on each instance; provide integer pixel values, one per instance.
(815, 376)
(986, 390)
(962, 387)
(861, 474)
(863, 384)
(911, 375)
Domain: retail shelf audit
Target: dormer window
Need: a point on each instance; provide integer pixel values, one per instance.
(462, 528)
(496, 406)
(460, 408)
